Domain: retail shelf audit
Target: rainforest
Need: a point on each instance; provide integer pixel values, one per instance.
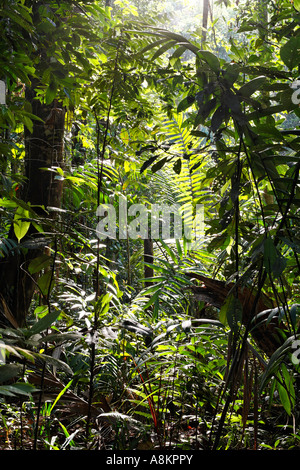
(149, 225)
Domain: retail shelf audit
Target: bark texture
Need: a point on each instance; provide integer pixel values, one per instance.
(43, 149)
(205, 20)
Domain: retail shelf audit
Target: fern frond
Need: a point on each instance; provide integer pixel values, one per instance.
(188, 185)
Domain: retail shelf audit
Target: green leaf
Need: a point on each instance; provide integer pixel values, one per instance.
(9, 371)
(55, 362)
(279, 266)
(270, 254)
(245, 27)
(157, 166)
(250, 87)
(290, 52)
(27, 122)
(294, 313)
(286, 390)
(21, 226)
(297, 4)
(185, 103)
(169, 251)
(232, 72)
(61, 394)
(46, 283)
(286, 99)
(17, 18)
(39, 263)
(274, 263)
(156, 308)
(178, 52)
(205, 111)
(7, 203)
(232, 101)
(217, 118)
(41, 310)
(148, 163)
(44, 322)
(231, 312)
(211, 60)
(17, 389)
(163, 49)
(51, 92)
(284, 398)
(275, 362)
(177, 166)
(151, 46)
(76, 41)
(153, 299)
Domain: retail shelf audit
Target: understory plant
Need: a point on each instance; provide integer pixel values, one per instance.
(105, 106)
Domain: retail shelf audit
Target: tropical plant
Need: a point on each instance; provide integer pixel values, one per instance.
(162, 343)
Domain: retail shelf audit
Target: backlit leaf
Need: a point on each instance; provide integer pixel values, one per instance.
(21, 225)
(45, 322)
(46, 283)
(51, 92)
(39, 263)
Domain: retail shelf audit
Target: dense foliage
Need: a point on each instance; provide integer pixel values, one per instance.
(105, 344)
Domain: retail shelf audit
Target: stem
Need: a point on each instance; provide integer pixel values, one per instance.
(237, 361)
(100, 166)
(45, 349)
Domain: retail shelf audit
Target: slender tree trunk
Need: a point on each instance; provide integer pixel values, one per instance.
(43, 149)
(205, 20)
(148, 258)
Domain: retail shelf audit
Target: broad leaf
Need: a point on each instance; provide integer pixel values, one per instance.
(39, 263)
(46, 283)
(177, 166)
(253, 85)
(51, 92)
(163, 49)
(185, 103)
(290, 52)
(148, 163)
(17, 389)
(231, 312)
(9, 371)
(274, 263)
(217, 118)
(157, 166)
(211, 60)
(21, 225)
(44, 323)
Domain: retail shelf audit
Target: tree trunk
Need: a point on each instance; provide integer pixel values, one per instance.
(205, 20)
(43, 149)
(148, 258)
